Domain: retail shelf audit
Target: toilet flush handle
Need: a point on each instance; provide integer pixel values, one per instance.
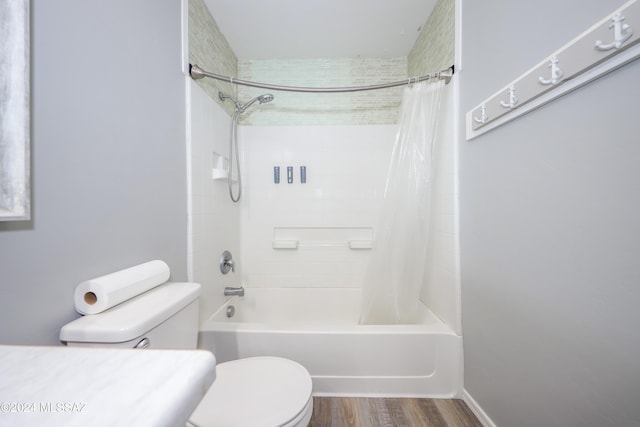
(144, 343)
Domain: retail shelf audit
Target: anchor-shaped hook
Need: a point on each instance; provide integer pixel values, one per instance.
(556, 73)
(621, 33)
(483, 115)
(513, 99)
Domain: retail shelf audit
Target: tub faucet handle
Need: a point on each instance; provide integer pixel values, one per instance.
(227, 263)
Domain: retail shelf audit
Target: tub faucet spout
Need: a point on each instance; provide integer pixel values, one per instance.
(230, 291)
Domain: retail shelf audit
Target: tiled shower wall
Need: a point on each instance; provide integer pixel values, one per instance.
(214, 222)
(433, 51)
(302, 109)
(435, 47)
(209, 49)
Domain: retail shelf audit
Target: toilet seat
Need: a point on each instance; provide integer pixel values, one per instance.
(257, 392)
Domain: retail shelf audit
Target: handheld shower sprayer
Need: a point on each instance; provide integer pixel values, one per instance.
(262, 99)
(233, 138)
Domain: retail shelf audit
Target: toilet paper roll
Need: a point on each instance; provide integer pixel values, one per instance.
(97, 295)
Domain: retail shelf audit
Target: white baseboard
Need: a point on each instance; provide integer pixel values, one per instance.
(477, 410)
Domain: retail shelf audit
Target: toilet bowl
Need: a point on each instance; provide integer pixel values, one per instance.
(257, 391)
(251, 392)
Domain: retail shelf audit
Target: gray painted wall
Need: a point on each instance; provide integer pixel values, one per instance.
(108, 146)
(550, 230)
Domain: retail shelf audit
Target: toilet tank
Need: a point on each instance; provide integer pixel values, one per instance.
(163, 317)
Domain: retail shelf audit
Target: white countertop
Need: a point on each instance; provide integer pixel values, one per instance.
(63, 386)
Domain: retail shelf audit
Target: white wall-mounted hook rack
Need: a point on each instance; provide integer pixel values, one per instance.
(581, 64)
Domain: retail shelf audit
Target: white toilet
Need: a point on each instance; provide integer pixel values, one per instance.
(257, 391)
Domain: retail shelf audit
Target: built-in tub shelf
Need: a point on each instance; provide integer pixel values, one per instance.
(294, 244)
(297, 237)
(603, 48)
(285, 244)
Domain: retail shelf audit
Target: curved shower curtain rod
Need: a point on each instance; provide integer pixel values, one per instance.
(198, 73)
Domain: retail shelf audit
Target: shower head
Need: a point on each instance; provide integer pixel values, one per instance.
(262, 99)
(267, 97)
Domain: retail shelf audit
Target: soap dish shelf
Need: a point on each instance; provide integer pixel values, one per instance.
(220, 171)
(220, 174)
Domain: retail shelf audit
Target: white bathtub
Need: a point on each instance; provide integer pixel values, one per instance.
(318, 328)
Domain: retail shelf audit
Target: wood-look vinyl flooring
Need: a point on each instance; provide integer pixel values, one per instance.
(391, 412)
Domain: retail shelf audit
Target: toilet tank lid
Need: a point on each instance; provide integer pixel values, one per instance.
(132, 318)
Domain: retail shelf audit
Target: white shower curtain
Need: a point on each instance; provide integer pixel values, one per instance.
(393, 279)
